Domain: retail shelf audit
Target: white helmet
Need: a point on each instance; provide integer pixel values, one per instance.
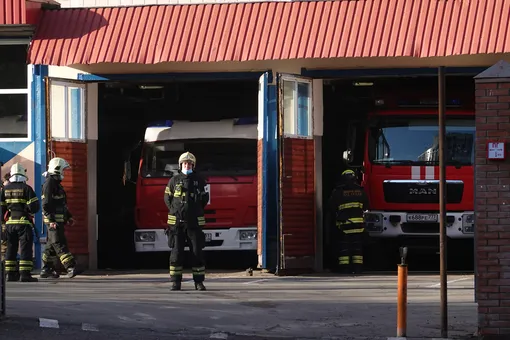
(57, 165)
(18, 169)
(187, 156)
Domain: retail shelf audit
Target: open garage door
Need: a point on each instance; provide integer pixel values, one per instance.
(66, 138)
(297, 175)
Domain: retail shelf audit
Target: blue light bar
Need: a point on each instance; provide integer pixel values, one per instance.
(161, 123)
(246, 121)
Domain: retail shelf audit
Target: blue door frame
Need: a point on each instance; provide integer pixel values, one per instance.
(40, 72)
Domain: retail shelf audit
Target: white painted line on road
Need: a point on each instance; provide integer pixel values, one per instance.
(219, 336)
(145, 316)
(48, 323)
(256, 281)
(89, 327)
(448, 282)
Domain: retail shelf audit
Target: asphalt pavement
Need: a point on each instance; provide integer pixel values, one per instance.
(134, 306)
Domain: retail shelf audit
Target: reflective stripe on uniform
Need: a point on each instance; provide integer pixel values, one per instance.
(343, 260)
(10, 265)
(47, 258)
(25, 265)
(201, 220)
(66, 258)
(354, 231)
(175, 271)
(32, 200)
(171, 220)
(350, 205)
(357, 259)
(167, 191)
(59, 218)
(15, 200)
(21, 220)
(198, 270)
(353, 220)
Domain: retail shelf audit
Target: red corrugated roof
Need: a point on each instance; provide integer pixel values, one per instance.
(272, 30)
(12, 12)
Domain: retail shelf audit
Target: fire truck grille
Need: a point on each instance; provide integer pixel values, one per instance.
(421, 191)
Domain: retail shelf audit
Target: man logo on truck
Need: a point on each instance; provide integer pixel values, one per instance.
(422, 191)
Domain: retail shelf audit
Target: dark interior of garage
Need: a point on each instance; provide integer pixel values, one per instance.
(347, 104)
(124, 110)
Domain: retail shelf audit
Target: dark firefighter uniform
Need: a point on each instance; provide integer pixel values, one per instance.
(3, 236)
(54, 204)
(18, 199)
(185, 197)
(348, 202)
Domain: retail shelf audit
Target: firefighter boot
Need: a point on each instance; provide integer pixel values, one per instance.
(26, 276)
(176, 285)
(48, 272)
(12, 276)
(72, 272)
(199, 286)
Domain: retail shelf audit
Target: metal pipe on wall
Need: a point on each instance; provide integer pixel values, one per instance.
(442, 202)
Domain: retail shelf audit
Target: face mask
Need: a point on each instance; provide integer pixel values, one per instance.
(187, 172)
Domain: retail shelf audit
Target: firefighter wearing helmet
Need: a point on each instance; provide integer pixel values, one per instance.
(55, 216)
(348, 203)
(186, 197)
(3, 236)
(19, 203)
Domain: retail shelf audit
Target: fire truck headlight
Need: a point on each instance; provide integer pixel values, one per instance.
(373, 218)
(145, 236)
(248, 235)
(468, 223)
(374, 222)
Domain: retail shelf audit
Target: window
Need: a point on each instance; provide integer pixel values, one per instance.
(297, 108)
(15, 120)
(67, 107)
(414, 141)
(215, 157)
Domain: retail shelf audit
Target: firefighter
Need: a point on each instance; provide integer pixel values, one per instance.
(19, 201)
(3, 246)
(55, 217)
(348, 202)
(186, 198)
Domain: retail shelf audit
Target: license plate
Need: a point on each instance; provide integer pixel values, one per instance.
(421, 217)
(208, 237)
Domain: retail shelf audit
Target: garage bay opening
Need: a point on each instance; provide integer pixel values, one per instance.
(143, 129)
(388, 128)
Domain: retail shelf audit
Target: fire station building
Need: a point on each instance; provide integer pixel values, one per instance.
(50, 107)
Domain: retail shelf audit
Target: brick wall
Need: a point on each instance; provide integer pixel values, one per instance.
(75, 185)
(492, 203)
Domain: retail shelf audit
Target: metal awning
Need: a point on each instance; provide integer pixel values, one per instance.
(271, 31)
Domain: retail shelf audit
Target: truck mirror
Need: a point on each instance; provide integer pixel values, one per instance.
(347, 156)
(127, 171)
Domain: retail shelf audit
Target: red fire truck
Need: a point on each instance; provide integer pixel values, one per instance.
(401, 174)
(226, 153)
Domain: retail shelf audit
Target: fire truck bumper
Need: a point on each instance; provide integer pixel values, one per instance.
(382, 224)
(155, 240)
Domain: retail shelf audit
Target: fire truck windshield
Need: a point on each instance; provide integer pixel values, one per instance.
(215, 157)
(414, 141)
